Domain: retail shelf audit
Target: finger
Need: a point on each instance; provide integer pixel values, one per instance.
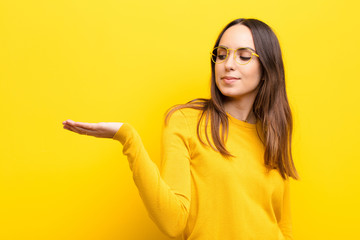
(89, 126)
(77, 130)
(68, 122)
(70, 128)
(85, 131)
(83, 125)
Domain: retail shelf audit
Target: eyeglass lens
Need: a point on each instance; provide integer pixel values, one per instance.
(242, 55)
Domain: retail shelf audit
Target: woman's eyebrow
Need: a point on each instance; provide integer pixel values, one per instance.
(237, 48)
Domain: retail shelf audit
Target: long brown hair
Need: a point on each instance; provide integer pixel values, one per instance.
(270, 106)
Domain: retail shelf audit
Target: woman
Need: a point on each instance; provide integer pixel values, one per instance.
(226, 161)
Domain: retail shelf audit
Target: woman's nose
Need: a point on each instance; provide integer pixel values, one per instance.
(230, 62)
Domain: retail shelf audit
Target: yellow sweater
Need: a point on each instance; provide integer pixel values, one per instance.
(198, 194)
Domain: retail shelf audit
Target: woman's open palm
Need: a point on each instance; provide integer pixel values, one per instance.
(100, 130)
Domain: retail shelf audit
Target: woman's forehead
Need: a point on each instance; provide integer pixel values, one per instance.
(237, 36)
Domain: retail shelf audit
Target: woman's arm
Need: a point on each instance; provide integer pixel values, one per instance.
(166, 196)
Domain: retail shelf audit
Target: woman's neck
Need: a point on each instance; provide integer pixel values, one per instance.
(240, 110)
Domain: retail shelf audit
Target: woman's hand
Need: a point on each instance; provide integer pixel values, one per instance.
(100, 130)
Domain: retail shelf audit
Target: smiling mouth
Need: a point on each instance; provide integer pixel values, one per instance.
(230, 78)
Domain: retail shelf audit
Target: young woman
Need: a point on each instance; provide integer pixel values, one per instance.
(226, 161)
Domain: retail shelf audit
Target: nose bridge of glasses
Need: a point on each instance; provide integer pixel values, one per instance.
(235, 57)
(228, 56)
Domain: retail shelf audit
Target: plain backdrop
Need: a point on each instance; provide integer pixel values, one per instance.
(129, 61)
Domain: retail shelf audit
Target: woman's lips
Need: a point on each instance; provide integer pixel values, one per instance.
(229, 80)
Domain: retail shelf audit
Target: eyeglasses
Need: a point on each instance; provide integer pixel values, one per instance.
(243, 55)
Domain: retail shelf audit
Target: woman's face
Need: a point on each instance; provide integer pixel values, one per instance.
(247, 77)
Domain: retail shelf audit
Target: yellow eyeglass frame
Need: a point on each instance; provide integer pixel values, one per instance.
(227, 54)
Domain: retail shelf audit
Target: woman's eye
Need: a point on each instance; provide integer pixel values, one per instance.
(245, 58)
(221, 57)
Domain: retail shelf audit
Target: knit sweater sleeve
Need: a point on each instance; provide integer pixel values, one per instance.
(285, 222)
(166, 195)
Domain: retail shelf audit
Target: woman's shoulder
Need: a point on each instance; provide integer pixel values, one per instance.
(189, 112)
(183, 121)
(185, 114)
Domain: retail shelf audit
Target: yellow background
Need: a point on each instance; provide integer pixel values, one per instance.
(128, 61)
